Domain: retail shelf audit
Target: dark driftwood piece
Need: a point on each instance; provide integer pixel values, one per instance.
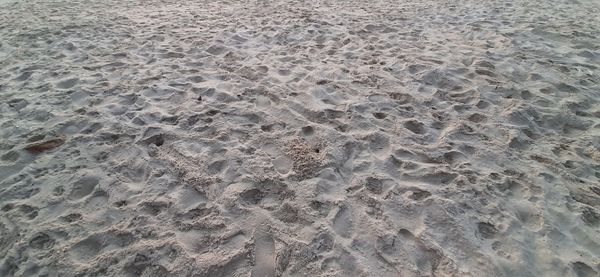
(38, 147)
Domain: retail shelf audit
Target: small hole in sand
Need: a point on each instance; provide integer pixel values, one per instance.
(159, 141)
(317, 151)
(308, 130)
(120, 203)
(379, 115)
(266, 128)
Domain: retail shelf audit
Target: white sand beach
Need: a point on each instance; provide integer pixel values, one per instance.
(299, 138)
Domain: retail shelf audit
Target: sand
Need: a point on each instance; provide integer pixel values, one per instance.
(299, 138)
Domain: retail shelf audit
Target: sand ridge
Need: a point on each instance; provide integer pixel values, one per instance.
(286, 138)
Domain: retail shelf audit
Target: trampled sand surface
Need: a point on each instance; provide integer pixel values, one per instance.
(299, 138)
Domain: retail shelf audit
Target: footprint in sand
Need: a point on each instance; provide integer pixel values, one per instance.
(264, 255)
(83, 187)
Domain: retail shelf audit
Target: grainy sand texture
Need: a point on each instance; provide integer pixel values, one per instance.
(300, 138)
